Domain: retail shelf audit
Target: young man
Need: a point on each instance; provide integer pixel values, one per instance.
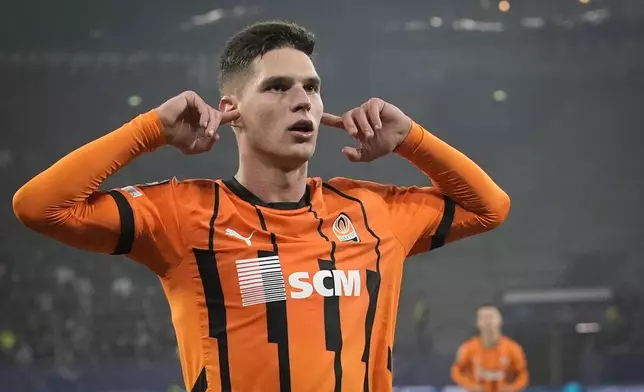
(276, 281)
(490, 362)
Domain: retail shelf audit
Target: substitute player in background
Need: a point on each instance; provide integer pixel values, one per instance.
(276, 281)
(490, 362)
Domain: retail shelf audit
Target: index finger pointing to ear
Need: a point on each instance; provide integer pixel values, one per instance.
(373, 111)
(202, 107)
(332, 120)
(227, 117)
(213, 122)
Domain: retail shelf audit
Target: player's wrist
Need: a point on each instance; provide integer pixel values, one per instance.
(151, 130)
(410, 143)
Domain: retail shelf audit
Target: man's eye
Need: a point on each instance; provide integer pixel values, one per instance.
(312, 88)
(277, 87)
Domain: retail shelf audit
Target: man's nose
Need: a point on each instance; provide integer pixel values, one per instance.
(300, 100)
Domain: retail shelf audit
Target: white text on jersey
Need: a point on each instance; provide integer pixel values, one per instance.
(345, 283)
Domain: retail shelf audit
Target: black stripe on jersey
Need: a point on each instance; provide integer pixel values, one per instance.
(215, 213)
(214, 296)
(332, 326)
(126, 215)
(445, 224)
(389, 358)
(201, 385)
(315, 214)
(276, 321)
(373, 285)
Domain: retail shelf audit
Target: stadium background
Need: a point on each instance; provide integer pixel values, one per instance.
(546, 96)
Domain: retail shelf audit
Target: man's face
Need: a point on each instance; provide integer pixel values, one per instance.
(280, 109)
(488, 319)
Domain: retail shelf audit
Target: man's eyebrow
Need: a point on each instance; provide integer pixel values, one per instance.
(277, 79)
(289, 80)
(313, 80)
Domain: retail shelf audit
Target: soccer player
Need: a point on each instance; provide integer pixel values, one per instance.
(276, 281)
(490, 362)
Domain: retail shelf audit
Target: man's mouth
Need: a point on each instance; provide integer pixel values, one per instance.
(305, 126)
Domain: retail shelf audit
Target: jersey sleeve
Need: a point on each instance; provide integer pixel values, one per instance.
(519, 368)
(423, 218)
(420, 216)
(150, 232)
(463, 200)
(64, 201)
(461, 370)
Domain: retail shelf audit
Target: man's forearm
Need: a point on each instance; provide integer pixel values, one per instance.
(53, 194)
(462, 379)
(520, 382)
(455, 175)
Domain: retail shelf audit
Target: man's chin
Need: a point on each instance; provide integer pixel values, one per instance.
(293, 156)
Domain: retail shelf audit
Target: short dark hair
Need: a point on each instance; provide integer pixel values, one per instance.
(488, 305)
(257, 40)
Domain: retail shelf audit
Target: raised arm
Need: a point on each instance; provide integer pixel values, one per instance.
(64, 202)
(473, 201)
(463, 200)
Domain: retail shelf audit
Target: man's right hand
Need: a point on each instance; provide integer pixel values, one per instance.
(190, 124)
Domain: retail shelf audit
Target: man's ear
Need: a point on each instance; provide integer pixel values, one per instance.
(228, 103)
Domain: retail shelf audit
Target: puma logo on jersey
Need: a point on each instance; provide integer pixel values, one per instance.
(345, 283)
(234, 234)
(344, 230)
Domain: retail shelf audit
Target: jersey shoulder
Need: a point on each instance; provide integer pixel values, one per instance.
(370, 194)
(376, 188)
(197, 184)
(471, 344)
(190, 193)
(361, 188)
(174, 184)
(467, 348)
(345, 183)
(511, 343)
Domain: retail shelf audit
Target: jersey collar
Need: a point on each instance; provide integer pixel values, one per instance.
(246, 195)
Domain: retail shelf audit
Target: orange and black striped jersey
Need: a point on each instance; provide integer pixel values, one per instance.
(286, 294)
(496, 368)
(268, 296)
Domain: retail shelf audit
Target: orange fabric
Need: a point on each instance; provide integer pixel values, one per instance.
(64, 202)
(493, 369)
(481, 204)
(263, 297)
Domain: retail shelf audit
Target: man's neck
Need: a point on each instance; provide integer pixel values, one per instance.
(272, 184)
(491, 339)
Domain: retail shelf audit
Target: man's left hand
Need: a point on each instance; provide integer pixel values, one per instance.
(379, 126)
